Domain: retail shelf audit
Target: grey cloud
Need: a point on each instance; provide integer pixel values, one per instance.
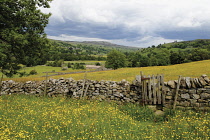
(131, 21)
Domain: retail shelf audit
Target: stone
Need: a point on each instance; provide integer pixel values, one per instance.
(202, 81)
(112, 97)
(133, 94)
(185, 96)
(159, 113)
(192, 91)
(205, 77)
(188, 83)
(171, 84)
(197, 83)
(195, 104)
(195, 96)
(169, 93)
(95, 93)
(169, 97)
(185, 104)
(205, 96)
(202, 101)
(208, 91)
(28, 82)
(97, 85)
(183, 82)
(199, 91)
(127, 99)
(102, 97)
(192, 101)
(118, 94)
(93, 97)
(152, 107)
(192, 83)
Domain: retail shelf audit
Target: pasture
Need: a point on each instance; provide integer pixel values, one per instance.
(171, 72)
(30, 117)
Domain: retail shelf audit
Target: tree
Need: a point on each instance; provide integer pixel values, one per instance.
(115, 60)
(22, 36)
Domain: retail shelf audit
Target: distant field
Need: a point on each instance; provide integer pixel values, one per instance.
(87, 62)
(193, 69)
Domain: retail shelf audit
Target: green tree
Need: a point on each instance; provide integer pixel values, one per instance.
(115, 60)
(22, 36)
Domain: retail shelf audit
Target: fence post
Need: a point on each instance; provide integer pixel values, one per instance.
(2, 76)
(163, 89)
(177, 91)
(158, 89)
(84, 81)
(45, 87)
(154, 89)
(150, 90)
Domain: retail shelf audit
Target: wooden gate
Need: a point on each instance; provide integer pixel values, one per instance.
(152, 89)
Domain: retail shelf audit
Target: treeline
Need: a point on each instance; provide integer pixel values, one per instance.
(161, 55)
(167, 54)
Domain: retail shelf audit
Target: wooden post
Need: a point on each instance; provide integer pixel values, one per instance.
(86, 90)
(150, 90)
(145, 92)
(177, 91)
(142, 88)
(2, 76)
(158, 89)
(154, 89)
(84, 81)
(45, 87)
(163, 89)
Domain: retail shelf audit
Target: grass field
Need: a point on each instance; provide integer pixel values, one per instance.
(87, 62)
(193, 69)
(42, 118)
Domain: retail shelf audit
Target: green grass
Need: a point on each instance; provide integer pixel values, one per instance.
(30, 117)
(87, 62)
(41, 69)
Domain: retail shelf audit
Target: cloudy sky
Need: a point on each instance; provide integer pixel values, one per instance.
(139, 23)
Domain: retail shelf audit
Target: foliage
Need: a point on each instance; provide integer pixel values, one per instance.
(22, 37)
(115, 60)
(78, 66)
(172, 53)
(30, 117)
(98, 64)
(33, 72)
(72, 51)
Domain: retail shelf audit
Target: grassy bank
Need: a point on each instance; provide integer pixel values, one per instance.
(29, 117)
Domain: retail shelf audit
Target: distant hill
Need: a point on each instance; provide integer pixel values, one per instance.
(104, 44)
(87, 50)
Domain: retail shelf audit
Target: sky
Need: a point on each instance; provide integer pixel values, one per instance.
(139, 23)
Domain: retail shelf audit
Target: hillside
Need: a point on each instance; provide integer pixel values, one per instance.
(171, 53)
(105, 44)
(94, 50)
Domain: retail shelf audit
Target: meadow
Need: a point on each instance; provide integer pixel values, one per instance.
(171, 72)
(40, 118)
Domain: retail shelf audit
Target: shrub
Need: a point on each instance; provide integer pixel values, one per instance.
(98, 64)
(78, 66)
(33, 72)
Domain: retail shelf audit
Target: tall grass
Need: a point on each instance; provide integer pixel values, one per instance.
(30, 117)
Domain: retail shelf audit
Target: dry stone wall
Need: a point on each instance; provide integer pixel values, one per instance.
(193, 92)
(101, 90)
